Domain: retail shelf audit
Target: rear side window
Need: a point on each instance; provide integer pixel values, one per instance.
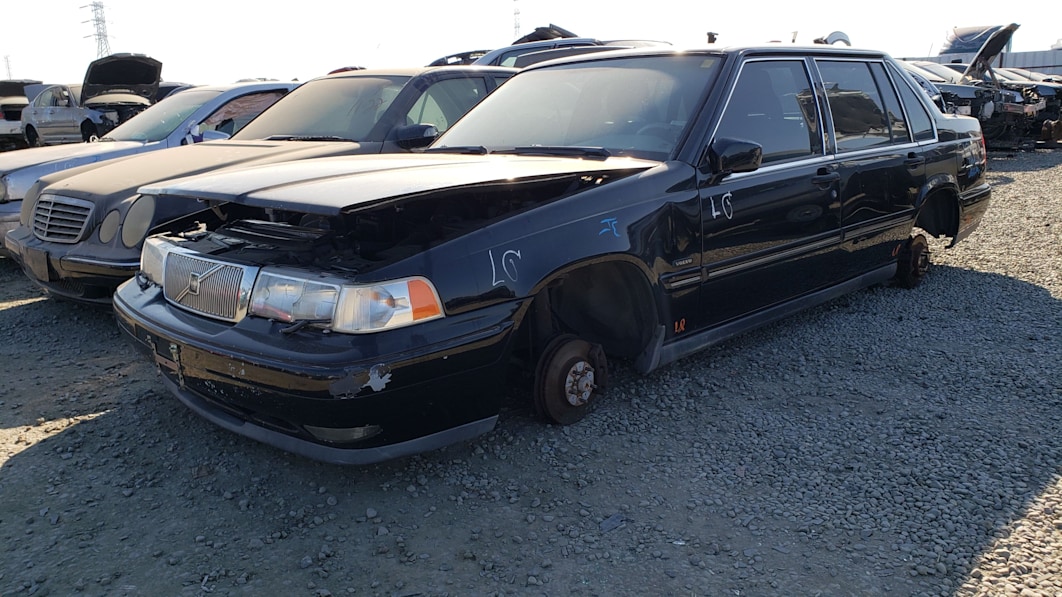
(864, 106)
(772, 104)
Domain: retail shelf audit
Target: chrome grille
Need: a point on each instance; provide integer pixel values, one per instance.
(60, 219)
(213, 288)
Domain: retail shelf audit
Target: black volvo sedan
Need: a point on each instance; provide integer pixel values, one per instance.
(637, 205)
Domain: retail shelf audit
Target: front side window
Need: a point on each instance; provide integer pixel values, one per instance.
(772, 104)
(161, 119)
(234, 115)
(446, 101)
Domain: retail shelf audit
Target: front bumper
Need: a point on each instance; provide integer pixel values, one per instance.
(344, 399)
(8, 222)
(65, 271)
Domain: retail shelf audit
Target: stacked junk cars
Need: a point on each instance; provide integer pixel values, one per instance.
(350, 268)
(1017, 107)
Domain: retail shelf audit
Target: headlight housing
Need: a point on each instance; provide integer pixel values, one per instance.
(153, 260)
(299, 297)
(138, 220)
(293, 296)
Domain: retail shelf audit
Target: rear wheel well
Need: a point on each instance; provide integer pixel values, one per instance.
(939, 214)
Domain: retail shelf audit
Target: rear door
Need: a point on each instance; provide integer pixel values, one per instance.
(881, 164)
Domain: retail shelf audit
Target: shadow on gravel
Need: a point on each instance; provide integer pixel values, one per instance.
(877, 445)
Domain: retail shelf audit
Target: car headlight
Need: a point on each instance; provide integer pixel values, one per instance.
(109, 226)
(138, 220)
(384, 306)
(25, 216)
(153, 259)
(290, 296)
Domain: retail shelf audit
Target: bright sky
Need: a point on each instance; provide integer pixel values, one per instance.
(220, 41)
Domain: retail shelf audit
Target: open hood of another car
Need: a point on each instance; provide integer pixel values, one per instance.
(16, 88)
(543, 33)
(991, 48)
(122, 73)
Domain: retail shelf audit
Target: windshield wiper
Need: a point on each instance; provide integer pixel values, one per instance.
(560, 150)
(307, 138)
(471, 149)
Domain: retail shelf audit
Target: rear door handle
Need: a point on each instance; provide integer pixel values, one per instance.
(825, 179)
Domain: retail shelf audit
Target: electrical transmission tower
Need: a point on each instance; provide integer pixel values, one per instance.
(103, 44)
(516, 20)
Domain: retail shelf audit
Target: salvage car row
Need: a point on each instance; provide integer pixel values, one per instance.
(638, 204)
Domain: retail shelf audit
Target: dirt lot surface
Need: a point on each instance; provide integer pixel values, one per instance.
(888, 443)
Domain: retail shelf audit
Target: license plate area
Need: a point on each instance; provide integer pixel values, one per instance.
(37, 263)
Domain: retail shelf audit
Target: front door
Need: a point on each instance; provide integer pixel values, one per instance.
(770, 235)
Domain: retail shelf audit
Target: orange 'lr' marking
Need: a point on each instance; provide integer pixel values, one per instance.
(680, 326)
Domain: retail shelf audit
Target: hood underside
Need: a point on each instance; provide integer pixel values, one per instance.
(330, 186)
(991, 48)
(124, 73)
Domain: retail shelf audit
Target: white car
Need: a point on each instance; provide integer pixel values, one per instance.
(196, 114)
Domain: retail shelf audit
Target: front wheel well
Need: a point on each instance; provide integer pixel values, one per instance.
(607, 303)
(939, 215)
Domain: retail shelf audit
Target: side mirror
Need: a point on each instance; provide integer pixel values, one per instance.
(414, 136)
(215, 135)
(726, 156)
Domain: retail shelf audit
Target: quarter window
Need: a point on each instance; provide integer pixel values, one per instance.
(772, 104)
(918, 118)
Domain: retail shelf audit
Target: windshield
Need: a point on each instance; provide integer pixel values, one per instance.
(626, 106)
(158, 121)
(341, 108)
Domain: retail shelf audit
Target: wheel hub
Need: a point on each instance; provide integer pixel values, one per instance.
(579, 383)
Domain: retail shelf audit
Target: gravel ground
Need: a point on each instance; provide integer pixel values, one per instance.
(890, 442)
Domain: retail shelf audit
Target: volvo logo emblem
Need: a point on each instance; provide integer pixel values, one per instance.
(195, 281)
(193, 284)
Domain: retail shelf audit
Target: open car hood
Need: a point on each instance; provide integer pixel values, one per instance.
(551, 31)
(135, 74)
(330, 186)
(992, 46)
(16, 88)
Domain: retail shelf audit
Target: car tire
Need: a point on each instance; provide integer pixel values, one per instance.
(569, 372)
(32, 138)
(912, 262)
(88, 132)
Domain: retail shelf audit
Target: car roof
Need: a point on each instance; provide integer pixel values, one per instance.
(413, 71)
(779, 49)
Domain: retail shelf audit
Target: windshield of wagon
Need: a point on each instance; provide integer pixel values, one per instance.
(341, 108)
(157, 122)
(636, 106)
